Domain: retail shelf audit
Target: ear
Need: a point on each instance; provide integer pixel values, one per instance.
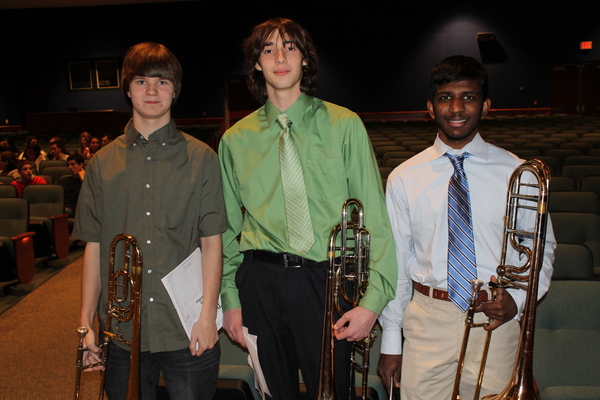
(430, 109)
(258, 67)
(486, 107)
(304, 63)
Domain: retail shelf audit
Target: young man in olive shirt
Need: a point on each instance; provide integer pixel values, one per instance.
(163, 187)
(270, 287)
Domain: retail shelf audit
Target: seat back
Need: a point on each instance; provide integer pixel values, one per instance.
(8, 191)
(51, 163)
(574, 201)
(6, 180)
(14, 216)
(573, 260)
(45, 200)
(56, 172)
(567, 335)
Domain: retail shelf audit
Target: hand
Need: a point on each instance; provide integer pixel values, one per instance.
(232, 323)
(390, 365)
(204, 335)
(94, 353)
(360, 322)
(81, 174)
(501, 310)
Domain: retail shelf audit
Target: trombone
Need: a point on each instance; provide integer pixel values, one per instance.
(124, 287)
(348, 265)
(522, 197)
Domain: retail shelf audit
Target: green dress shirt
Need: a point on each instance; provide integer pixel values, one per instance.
(166, 192)
(338, 163)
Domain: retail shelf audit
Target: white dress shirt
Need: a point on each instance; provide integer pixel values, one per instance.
(417, 202)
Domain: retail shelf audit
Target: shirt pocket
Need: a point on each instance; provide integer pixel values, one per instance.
(326, 178)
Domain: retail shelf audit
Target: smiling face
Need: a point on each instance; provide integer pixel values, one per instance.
(281, 64)
(457, 107)
(151, 97)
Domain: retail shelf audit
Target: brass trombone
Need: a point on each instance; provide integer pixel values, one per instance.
(522, 197)
(124, 287)
(348, 264)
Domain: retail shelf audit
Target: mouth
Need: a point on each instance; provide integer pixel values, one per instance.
(282, 72)
(457, 122)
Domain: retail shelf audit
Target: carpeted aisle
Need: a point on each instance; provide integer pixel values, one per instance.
(38, 342)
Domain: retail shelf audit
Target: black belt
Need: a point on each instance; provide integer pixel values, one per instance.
(286, 259)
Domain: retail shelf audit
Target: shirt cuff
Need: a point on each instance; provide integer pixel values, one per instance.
(391, 342)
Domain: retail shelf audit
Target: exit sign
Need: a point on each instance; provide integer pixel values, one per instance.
(585, 45)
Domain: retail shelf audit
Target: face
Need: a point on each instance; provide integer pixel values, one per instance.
(105, 141)
(26, 172)
(151, 97)
(83, 141)
(94, 144)
(457, 108)
(281, 64)
(74, 167)
(55, 151)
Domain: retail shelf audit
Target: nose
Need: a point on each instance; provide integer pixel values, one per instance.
(280, 56)
(456, 105)
(151, 88)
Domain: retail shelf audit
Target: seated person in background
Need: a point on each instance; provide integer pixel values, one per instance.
(94, 147)
(34, 154)
(72, 184)
(8, 164)
(107, 138)
(26, 178)
(30, 141)
(84, 143)
(7, 144)
(58, 150)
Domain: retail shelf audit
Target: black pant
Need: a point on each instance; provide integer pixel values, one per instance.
(284, 308)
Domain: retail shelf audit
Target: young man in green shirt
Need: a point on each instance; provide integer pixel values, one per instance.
(163, 187)
(272, 285)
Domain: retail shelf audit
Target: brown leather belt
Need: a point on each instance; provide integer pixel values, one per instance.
(482, 296)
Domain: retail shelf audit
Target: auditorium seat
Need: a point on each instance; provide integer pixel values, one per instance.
(591, 184)
(574, 201)
(562, 183)
(571, 227)
(579, 172)
(8, 191)
(582, 160)
(6, 180)
(573, 260)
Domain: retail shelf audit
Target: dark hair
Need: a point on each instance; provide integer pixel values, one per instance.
(22, 163)
(254, 45)
(455, 69)
(152, 60)
(9, 158)
(78, 158)
(57, 140)
(37, 149)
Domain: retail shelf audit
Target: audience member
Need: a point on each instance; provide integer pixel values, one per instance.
(107, 138)
(8, 164)
(30, 141)
(26, 178)
(58, 151)
(34, 154)
(72, 184)
(94, 147)
(84, 143)
(7, 144)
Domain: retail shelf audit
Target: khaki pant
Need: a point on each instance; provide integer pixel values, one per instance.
(433, 331)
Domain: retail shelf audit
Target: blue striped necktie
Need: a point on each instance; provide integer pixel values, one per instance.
(461, 245)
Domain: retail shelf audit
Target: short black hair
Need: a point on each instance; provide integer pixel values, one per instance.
(455, 69)
(78, 158)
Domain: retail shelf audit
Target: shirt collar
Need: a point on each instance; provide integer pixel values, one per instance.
(476, 147)
(295, 112)
(165, 134)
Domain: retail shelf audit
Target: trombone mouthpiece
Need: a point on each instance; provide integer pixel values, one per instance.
(82, 331)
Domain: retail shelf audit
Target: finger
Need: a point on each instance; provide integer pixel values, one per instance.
(340, 324)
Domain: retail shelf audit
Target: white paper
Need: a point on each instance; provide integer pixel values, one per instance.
(259, 379)
(185, 287)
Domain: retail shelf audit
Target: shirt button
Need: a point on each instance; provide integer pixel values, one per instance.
(149, 158)
(149, 271)
(148, 213)
(164, 144)
(147, 186)
(151, 299)
(135, 144)
(148, 241)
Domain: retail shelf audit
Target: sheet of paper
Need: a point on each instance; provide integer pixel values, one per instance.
(259, 379)
(185, 287)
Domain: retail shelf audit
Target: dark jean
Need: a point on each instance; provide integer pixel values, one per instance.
(187, 377)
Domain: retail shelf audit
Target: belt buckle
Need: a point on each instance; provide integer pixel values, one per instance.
(287, 263)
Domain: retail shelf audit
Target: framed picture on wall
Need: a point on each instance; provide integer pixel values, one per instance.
(107, 74)
(80, 75)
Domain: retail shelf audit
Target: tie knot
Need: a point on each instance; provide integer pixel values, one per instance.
(457, 161)
(284, 121)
